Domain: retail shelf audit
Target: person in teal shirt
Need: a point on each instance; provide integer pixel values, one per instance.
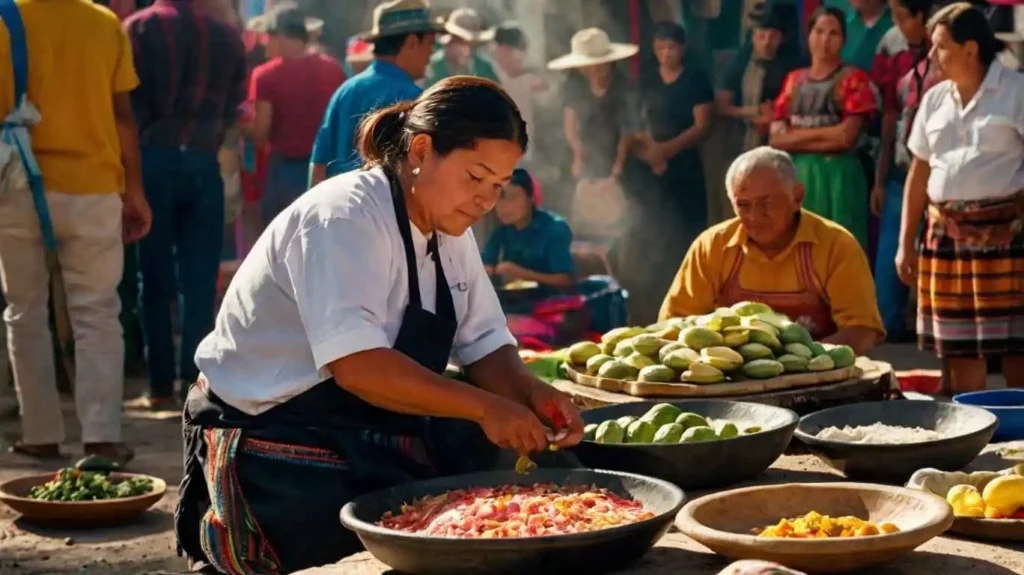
(866, 22)
(532, 244)
(459, 53)
(402, 40)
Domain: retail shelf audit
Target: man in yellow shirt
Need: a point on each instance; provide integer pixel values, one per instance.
(774, 252)
(80, 74)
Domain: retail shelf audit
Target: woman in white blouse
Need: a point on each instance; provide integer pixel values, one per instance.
(967, 175)
(323, 378)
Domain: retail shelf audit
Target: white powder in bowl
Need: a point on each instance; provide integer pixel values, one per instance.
(879, 433)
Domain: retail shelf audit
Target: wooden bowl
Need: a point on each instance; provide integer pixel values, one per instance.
(77, 513)
(724, 523)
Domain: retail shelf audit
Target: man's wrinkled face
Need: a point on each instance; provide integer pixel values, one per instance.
(765, 204)
(766, 42)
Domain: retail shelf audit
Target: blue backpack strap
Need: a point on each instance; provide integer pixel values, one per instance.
(19, 53)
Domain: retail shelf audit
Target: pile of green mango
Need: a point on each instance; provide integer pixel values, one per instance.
(663, 423)
(746, 340)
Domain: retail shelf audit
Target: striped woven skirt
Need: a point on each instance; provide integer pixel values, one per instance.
(971, 279)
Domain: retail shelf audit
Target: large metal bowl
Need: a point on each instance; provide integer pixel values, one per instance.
(967, 430)
(593, 552)
(696, 465)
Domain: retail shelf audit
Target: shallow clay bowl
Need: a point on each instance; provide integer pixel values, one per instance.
(967, 431)
(696, 465)
(593, 552)
(723, 522)
(77, 513)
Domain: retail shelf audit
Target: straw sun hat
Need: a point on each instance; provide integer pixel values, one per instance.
(591, 47)
(263, 24)
(466, 24)
(397, 17)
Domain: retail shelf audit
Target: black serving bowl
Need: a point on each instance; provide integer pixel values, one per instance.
(696, 465)
(967, 430)
(591, 552)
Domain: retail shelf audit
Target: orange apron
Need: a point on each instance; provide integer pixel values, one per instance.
(809, 307)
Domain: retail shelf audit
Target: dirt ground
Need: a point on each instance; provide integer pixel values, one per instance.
(147, 545)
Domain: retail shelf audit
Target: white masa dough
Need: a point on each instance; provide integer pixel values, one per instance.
(879, 433)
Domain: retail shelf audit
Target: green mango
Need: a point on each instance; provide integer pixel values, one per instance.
(618, 370)
(842, 356)
(626, 420)
(817, 349)
(766, 339)
(752, 351)
(799, 349)
(795, 333)
(638, 360)
(727, 430)
(647, 344)
(669, 348)
(698, 435)
(735, 338)
(623, 348)
(749, 308)
(702, 373)
(688, 420)
(662, 414)
(657, 374)
(640, 431)
(580, 352)
(594, 364)
(670, 333)
(793, 363)
(589, 431)
(821, 363)
(763, 369)
(697, 338)
(611, 339)
(669, 433)
(681, 359)
(610, 432)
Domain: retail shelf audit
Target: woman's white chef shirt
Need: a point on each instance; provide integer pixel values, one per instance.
(976, 152)
(328, 279)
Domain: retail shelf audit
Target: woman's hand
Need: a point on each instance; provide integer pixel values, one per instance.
(906, 264)
(509, 270)
(558, 411)
(877, 199)
(511, 425)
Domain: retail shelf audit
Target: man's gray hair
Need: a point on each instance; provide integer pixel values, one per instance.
(762, 157)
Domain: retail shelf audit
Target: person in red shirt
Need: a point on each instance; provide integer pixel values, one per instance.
(290, 92)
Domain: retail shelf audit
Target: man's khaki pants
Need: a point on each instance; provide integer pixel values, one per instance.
(88, 230)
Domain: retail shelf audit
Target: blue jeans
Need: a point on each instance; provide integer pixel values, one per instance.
(891, 292)
(287, 179)
(180, 258)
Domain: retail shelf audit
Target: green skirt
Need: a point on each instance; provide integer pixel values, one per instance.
(835, 187)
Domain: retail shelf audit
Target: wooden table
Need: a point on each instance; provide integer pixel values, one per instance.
(677, 554)
(876, 383)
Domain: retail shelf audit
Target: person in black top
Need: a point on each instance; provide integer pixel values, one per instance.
(677, 106)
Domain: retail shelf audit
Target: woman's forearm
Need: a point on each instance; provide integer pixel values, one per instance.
(915, 198)
(860, 338)
(503, 373)
(819, 140)
(885, 155)
(391, 380)
(561, 281)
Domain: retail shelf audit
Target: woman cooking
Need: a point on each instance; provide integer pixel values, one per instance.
(967, 175)
(819, 115)
(322, 378)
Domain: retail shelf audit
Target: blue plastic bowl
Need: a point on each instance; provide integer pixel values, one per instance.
(1006, 404)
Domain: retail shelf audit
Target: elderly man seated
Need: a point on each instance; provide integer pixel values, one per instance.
(774, 252)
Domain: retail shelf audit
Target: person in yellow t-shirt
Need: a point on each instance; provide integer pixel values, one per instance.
(775, 252)
(80, 75)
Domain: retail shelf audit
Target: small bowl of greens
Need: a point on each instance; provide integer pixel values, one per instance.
(82, 496)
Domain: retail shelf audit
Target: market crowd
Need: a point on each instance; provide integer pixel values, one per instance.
(856, 150)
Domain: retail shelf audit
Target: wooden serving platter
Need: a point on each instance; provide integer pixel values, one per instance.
(737, 386)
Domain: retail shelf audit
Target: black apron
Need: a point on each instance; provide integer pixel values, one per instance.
(297, 505)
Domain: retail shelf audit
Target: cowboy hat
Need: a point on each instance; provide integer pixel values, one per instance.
(466, 24)
(265, 23)
(590, 47)
(397, 17)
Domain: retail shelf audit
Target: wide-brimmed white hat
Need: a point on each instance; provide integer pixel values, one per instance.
(590, 47)
(263, 23)
(466, 24)
(397, 17)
